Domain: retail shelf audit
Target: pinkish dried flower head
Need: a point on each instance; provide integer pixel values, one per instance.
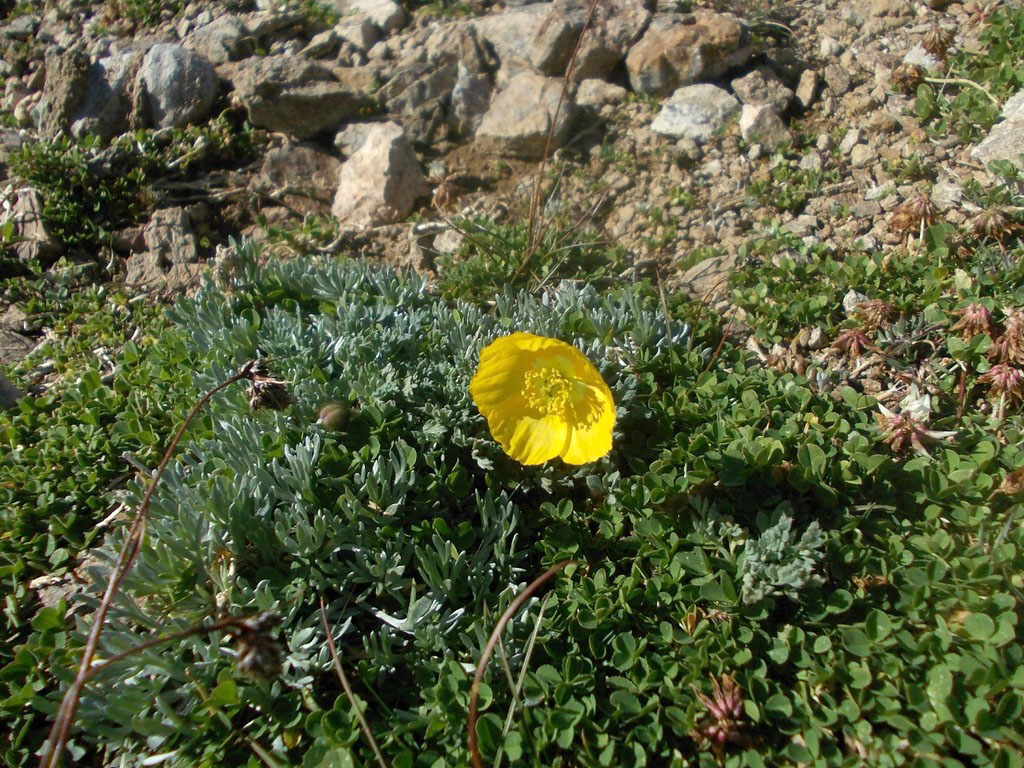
(724, 711)
(906, 77)
(994, 223)
(937, 41)
(908, 429)
(852, 341)
(974, 319)
(912, 214)
(876, 313)
(1004, 381)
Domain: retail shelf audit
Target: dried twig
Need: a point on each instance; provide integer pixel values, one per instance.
(348, 688)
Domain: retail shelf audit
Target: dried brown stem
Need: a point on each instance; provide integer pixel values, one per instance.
(59, 731)
(499, 628)
(348, 688)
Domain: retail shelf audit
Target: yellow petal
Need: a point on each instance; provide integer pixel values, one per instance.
(525, 435)
(590, 433)
(581, 433)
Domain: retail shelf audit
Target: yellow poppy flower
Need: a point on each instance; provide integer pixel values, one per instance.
(542, 398)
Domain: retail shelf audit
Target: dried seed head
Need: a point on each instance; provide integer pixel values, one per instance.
(875, 313)
(974, 319)
(937, 41)
(906, 77)
(265, 391)
(994, 223)
(852, 341)
(912, 214)
(1004, 381)
(1013, 483)
(259, 654)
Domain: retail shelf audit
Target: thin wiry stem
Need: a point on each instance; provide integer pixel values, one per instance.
(531, 245)
(518, 687)
(348, 688)
(61, 728)
(499, 628)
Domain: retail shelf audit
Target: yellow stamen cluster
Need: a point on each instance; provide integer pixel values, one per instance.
(546, 390)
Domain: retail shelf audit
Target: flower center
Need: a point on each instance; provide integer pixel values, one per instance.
(547, 390)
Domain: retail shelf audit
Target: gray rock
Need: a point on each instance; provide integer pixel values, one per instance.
(807, 88)
(302, 176)
(169, 237)
(614, 27)
(803, 225)
(696, 112)
(9, 394)
(761, 123)
(224, 39)
(111, 102)
(33, 240)
(678, 49)
(1005, 141)
(762, 86)
(380, 182)
(386, 15)
(850, 140)
(861, 155)
(21, 28)
(180, 85)
(417, 95)
(419, 90)
(597, 93)
(66, 78)
(837, 78)
(851, 300)
(292, 95)
(359, 31)
(148, 272)
(350, 138)
(322, 45)
(470, 98)
(521, 116)
(947, 195)
(505, 33)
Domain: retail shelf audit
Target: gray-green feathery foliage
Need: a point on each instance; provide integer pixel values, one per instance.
(779, 563)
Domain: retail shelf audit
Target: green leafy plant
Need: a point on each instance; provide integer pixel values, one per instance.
(90, 190)
(995, 71)
(744, 528)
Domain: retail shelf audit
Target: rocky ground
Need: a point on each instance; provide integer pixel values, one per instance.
(378, 126)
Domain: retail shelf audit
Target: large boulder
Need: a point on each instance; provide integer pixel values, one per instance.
(180, 85)
(9, 394)
(1006, 139)
(292, 95)
(695, 112)
(678, 49)
(111, 102)
(224, 39)
(419, 90)
(521, 117)
(614, 27)
(302, 176)
(506, 34)
(381, 181)
(67, 73)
